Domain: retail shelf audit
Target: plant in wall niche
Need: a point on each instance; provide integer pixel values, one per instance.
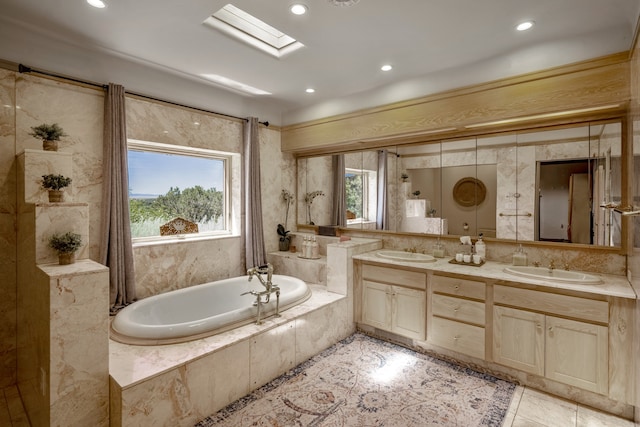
(287, 198)
(308, 199)
(55, 184)
(285, 239)
(49, 134)
(66, 245)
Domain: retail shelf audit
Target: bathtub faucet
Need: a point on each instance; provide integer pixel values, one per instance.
(269, 289)
(259, 271)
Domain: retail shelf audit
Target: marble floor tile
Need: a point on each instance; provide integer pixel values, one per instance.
(540, 409)
(513, 407)
(588, 417)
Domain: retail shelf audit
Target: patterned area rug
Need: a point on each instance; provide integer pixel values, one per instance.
(362, 381)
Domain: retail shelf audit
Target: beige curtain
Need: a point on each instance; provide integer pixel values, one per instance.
(116, 251)
(255, 253)
(339, 207)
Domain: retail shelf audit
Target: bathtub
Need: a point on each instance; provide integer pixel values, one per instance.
(202, 310)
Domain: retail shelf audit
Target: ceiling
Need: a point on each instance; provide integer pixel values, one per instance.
(433, 45)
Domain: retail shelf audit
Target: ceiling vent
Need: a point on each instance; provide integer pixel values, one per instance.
(247, 28)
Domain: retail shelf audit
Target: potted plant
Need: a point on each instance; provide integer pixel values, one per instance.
(49, 134)
(66, 245)
(285, 239)
(55, 184)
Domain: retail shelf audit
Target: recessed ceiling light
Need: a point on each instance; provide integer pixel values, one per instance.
(298, 9)
(524, 26)
(386, 67)
(310, 90)
(97, 3)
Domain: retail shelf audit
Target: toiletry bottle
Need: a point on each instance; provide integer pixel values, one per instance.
(315, 248)
(438, 250)
(481, 248)
(520, 257)
(305, 245)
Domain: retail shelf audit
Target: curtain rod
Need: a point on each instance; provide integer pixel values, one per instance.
(25, 69)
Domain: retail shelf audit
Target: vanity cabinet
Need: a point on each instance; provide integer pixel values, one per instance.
(394, 300)
(458, 315)
(530, 335)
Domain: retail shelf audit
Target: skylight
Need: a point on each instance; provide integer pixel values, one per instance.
(247, 28)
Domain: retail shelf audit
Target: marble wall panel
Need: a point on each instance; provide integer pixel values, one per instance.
(8, 177)
(277, 173)
(322, 328)
(32, 164)
(526, 186)
(162, 268)
(8, 299)
(79, 340)
(52, 218)
(189, 393)
(164, 123)
(272, 354)
(79, 111)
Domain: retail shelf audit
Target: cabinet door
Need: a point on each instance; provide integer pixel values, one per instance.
(376, 305)
(409, 312)
(577, 354)
(518, 339)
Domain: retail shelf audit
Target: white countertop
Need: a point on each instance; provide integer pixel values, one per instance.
(615, 286)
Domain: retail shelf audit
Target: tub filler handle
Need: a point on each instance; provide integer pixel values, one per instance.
(269, 289)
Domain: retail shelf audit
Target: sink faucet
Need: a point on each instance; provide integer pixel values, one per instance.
(269, 289)
(552, 265)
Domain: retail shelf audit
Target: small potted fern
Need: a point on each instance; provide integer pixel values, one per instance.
(55, 184)
(66, 244)
(49, 134)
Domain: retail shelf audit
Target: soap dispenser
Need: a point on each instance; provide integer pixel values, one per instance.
(438, 250)
(520, 257)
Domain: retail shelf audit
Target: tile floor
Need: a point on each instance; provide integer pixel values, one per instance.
(529, 408)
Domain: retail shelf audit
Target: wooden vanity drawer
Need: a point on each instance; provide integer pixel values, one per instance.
(456, 286)
(563, 305)
(460, 337)
(458, 309)
(395, 276)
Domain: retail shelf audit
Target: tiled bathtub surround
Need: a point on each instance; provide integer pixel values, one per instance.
(183, 383)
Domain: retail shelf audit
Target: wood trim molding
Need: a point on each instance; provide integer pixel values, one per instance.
(600, 82)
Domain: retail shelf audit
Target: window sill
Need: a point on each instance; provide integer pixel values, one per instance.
(170, 240)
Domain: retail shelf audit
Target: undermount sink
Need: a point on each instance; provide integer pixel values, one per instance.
(554, 275)
(405, 256)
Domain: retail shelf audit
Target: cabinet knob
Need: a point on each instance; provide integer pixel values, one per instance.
(456, 287)
(456, 337)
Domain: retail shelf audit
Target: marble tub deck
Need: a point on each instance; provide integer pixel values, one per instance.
(131, 364)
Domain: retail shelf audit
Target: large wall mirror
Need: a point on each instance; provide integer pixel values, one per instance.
(543, 185)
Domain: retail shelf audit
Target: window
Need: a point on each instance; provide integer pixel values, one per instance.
(168, 182)
(360, 189)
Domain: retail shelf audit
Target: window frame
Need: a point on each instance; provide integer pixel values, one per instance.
(367, 177)
(172, 149)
